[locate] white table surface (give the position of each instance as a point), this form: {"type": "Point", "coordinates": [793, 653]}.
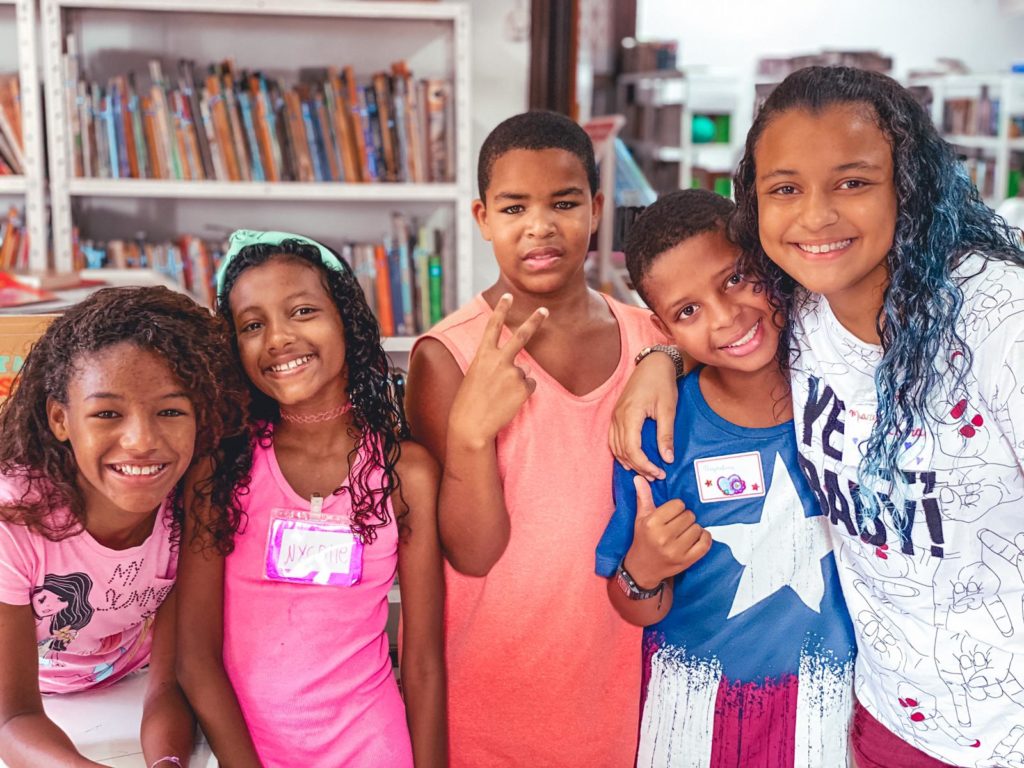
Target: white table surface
{"type": "Point", "coordinates": [104, 724]}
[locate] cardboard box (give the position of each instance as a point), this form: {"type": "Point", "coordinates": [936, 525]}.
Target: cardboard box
{"type": "Point", "coordinates": [17, 334]}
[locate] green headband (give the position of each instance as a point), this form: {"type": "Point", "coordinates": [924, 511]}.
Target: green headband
{"type": "Point", "coordinates": [242, 238]}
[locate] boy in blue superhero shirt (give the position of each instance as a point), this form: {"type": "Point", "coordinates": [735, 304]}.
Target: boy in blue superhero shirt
{"type": "Point", "coordinates": [748, 645]}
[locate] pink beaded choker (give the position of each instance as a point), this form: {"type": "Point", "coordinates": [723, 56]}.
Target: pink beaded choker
{"type": "Point", "coordinates": [316, 418]}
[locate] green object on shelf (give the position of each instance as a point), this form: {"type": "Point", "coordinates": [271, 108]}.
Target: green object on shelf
{"type": "Point", "coordinates": [703, 129]}
{"type": "Point", "coordinates": [1013, 186]}
{"type": "Point", "coordinates": [723, 186]}
{"type": "Point", "coordinates": [721, 129]}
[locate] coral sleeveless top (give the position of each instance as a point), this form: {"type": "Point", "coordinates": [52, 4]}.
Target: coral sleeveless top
{"type": "Point", "coordinates": [542, 671]}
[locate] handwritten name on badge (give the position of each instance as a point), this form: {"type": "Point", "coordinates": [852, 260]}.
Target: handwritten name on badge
{"type": "Point", "coordinates": [859, 421]}
{"type": "Point", "coordinates": [313, 553]}
{"type": "Point", "coordinates": [730, 478]}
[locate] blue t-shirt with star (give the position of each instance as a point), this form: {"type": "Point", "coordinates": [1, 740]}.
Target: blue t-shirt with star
{"type": "Point", "coordinates": [753, 663]}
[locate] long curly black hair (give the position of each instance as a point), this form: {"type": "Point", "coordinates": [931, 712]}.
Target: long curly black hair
{"type": "Point", "coordinates": [377, 415]}
{"type": "Point", "coordinates": [196, 347]}
{"type": "Point", "coordinates": [940, 219]}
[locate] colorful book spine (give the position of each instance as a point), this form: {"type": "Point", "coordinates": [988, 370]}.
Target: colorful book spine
{"type": "Point", "coordinates": [421, 274]}
{"type": "Point", "coordinates": [357, 105]}
{"type": "Point", "coordinates": [250, 135]}
{"type": "Point", "coordinates": [436, 289]}
{"type": "Point", "coordinates": [109, 123]}
{"type": "Point", "coordinates": [385, 314]}
{"type": "Point", "coordinates": [405, 274]}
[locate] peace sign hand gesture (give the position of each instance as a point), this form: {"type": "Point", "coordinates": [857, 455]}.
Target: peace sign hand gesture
{"type": "Point", "coordinates": [494, 388]}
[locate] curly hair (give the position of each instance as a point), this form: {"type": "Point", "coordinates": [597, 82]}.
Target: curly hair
{"type": "Point", "coordinates": [940, 219]}
{"type": "Point", "coordinates": [378, 417]}
{"type": "Point", "coordinates": [195, 346]}
{"type": "Point", "coordinates": [672, 219]}
{"type": "Point", "coordinates": [536, 130]}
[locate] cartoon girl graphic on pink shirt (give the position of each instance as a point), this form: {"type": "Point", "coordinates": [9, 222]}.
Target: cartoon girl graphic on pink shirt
{"type": "Point", "coordinates": [65, 601]}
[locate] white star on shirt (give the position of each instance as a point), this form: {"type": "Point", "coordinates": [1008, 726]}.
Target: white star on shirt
{"type": "Point", "coordinates": [783, 549]}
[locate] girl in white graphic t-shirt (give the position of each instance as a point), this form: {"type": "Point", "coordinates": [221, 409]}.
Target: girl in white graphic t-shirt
{"type": "Point", "coordinates": [905, 300]}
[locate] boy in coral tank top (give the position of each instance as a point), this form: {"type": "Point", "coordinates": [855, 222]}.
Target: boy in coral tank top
{"type": "Point", "coordinates": [513, 394]}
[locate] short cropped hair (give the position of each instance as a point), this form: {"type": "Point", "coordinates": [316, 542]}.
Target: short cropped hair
{"type": "Point", "coordinates": [669, 221]}
{"type": "Point", "coordinates": [536, 130]}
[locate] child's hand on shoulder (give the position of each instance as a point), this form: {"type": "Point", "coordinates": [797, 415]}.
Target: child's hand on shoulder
{"type": "Point", "coordinates": [494, 388]}
{"type": "Point", "coordinates": [666, 540]}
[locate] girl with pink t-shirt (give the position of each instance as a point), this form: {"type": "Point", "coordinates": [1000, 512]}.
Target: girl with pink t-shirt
{"type": "Point", "coordinates": [282, 643]}
{"type": "Point", "coordinates": [114, 403]}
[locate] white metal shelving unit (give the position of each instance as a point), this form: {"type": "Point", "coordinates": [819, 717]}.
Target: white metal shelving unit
{"type": "Point", "coordinates": [1008, 89]}
{"type": "Point", "coordinates": [365, 33]}
{"type": "Point", "coordinates": [32, 185]}
{"type": "Point", "coordinates": [695, 94]}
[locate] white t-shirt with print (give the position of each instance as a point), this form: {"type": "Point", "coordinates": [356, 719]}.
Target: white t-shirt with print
{"type": "Point", "coordinates": [938, 604]}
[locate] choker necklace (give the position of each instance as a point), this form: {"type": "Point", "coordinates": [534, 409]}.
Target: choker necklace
{"type": "Point", "coordinates": [316, 418]}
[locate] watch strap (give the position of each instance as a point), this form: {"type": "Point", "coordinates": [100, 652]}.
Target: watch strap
{"type": "Point", "coordinates": [629, 586]}
{"type": "Point", "coordinates": [668, 349]}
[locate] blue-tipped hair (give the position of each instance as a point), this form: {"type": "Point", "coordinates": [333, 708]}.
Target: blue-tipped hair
{"type": "Point", "coordinates": [940, 219]}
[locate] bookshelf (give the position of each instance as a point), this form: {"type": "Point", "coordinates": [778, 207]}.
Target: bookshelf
{"type": "Point", "coordinates": [18, 52]}
{"type": "Point", "coordinates": [983, 117]}
{"type": "Point", "coordinates": [661, 107]}
{"type": "Point", "coordinates": [280, 38]}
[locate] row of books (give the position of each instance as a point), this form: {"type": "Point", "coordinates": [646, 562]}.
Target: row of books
{"type": "Point", "coordinates": [189, 262]}
{"type": "Point", "coordinates": [982, 171]}
{"type": "Point", "coordinates": [230, 125]}
{"type": "Point", "coordinates": [13, 241]}
{"type": "Point", "coordinates": [405, 275]}
{"type": "Point", "coordinates": [778, 67]}
{"type": "Point", "coordinates": [648, 55]}
{"type": "Point", "coordinates": [12, 143]}
{"type": "Point", "coordinates": [971, 117]}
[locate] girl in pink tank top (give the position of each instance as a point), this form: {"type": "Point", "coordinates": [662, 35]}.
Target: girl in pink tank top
{"type": "Point", "coordinates": [284, 653]}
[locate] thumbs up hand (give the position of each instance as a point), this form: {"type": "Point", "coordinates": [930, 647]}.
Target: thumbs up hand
{"type": "Point", "coordinates": [666, 539]}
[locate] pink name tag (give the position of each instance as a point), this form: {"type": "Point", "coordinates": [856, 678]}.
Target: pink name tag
{"type": "Point", "coordinates": [729, 478]}
{"type": "Point", "coordinates": [313, 551]}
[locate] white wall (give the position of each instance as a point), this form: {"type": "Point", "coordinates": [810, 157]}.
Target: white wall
{"type": "Point", "coordinates": [734, 33]}
{"type": "Point", "coordinates": [500, 89]}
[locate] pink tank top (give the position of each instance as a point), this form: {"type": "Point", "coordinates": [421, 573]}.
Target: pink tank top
{"type": "Point", "coordinates": [542, 671]}
{"type": "Point", "coordinates": [309, 663]}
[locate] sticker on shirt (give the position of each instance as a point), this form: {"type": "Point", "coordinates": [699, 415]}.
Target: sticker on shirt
{"type": "Point", "coordinates": [730, 478]}
{"type": "Point", "coordinates": [307, 549]}
{"type": "Point", "coordinates": [858, 421]}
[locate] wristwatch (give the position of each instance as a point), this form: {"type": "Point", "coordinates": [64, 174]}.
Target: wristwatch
{"type": "Point", "coordinates": [672, 352]}
{"type": "Point", "coordinates": [629, 586]}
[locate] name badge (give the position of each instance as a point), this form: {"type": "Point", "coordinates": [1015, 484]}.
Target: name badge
{"type": "Point", "coordinates": [730, 478]}
{"type": "Point", "coordinates": [915, 453]}
{"type": "Point", "coordinates": [303, 548]}
{"type": "Point", "coordinates": [858, 421]}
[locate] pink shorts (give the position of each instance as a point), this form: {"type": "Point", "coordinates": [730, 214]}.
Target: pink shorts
{"type": "Point", "coordinates": [875, 746]}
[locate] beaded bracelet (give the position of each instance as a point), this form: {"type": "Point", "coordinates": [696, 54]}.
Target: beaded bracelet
{"type": "Point", "coordinates": [172, 759]}
{"type": "Point", "coordinates": [672, 352]}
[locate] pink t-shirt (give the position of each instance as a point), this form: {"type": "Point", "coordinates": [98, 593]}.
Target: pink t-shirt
{"type": "Point", "coordinates": [94, 607]}
{"type": "Point", "coordinates": [309, 662]}
{"type": "Point", "coordinates": [542, 671]}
